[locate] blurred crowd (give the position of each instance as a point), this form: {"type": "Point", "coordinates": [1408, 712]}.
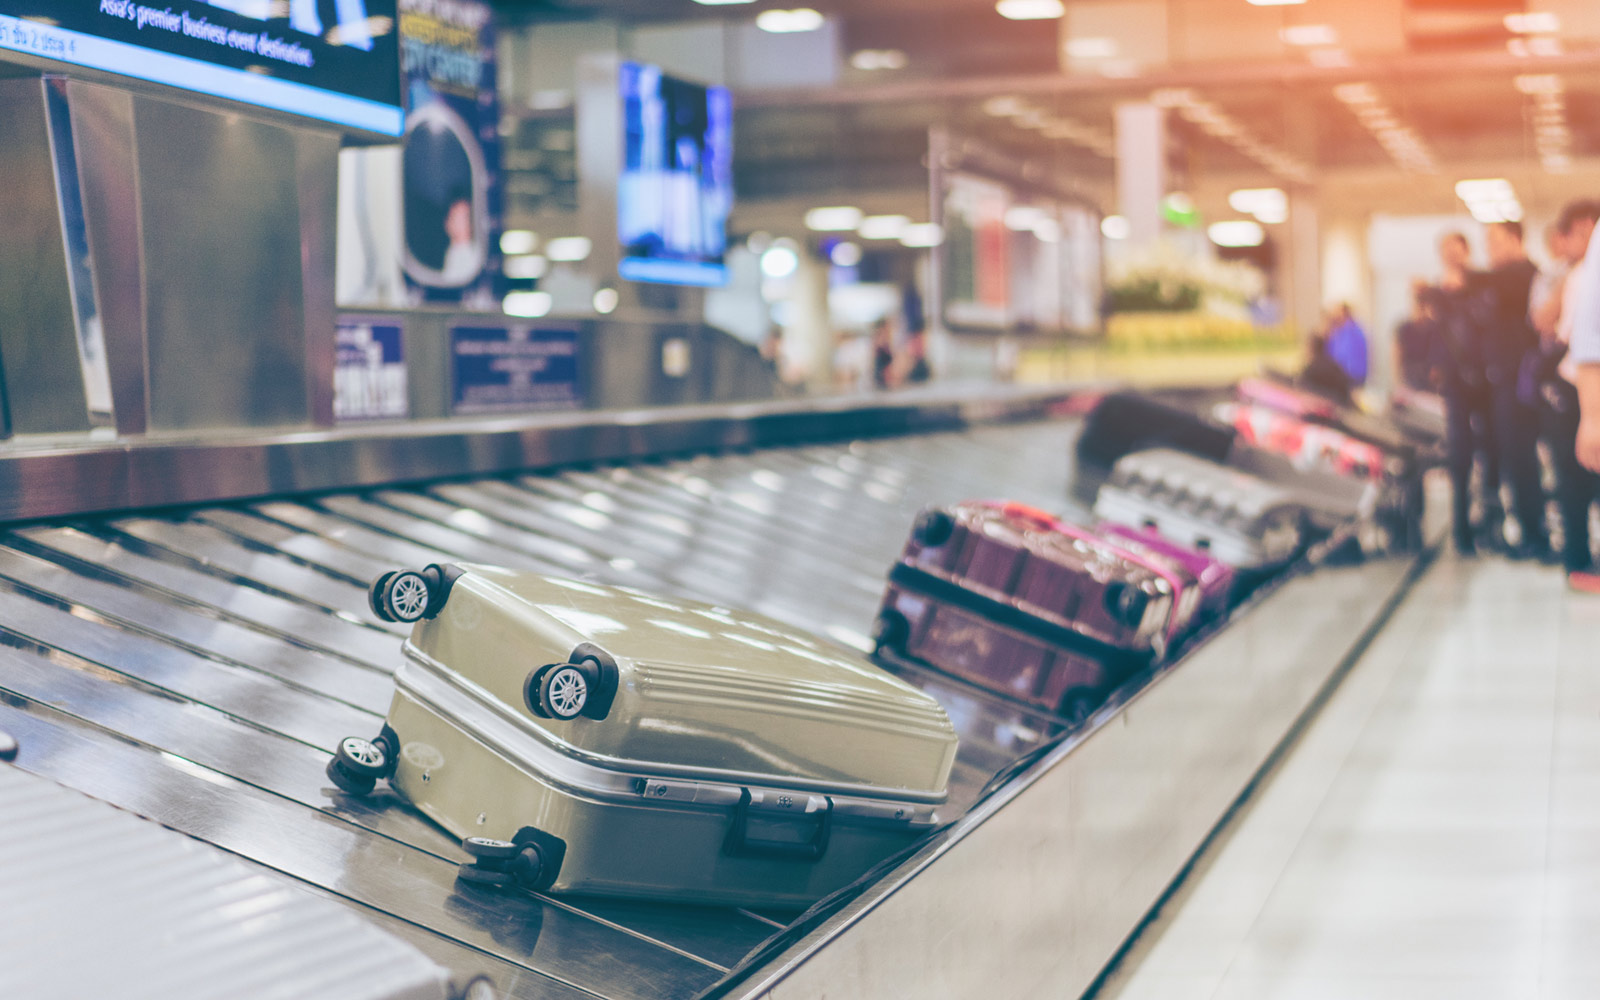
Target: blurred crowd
{"type": "Point", "coordinates": [1514, 352]}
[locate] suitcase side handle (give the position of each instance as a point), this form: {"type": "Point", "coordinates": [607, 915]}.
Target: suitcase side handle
{"type": "Point", "coordinates": [783, 807]}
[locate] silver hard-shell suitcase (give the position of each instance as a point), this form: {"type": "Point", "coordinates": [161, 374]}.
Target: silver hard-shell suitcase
{"type": "Point", "coordinates": [96, 902]}
{"type": "Point", "coordinates": [593, 739]}
{"type": "Point", "coordinates": [1237, 518]}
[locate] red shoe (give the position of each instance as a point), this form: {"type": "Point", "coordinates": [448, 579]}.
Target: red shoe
{"type": "Point", "coordinates": [1584, 581]}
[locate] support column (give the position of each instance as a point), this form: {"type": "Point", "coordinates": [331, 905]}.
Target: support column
{"type": "Point", "coordinates": [1141, 168]}
{"type": "Point", "coordinates": [1304, 262]}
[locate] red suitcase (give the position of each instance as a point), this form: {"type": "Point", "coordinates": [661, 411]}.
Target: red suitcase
{"type": "Point", "coordinates": [997, 596]}
{"type": "Point", "coordinates": [1311, 446]}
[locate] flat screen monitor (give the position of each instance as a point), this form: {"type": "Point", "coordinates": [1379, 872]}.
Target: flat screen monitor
{"type": "Point", "coordinates": [336, 61]}
{"type": "Point", "coordinates": [676, 188]}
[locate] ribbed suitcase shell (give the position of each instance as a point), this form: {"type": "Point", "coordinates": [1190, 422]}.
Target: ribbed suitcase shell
{"type": "Point", "coordinates": [1242, 520]}
{"type": "Point", "coordinates": [1016, 601]}
{"type": "Point", "coordinates": [98, 903]}
{"type": "Point", "coordinates": [722, 722]}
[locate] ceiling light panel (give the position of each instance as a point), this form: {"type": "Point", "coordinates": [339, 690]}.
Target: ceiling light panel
{"type": "Point", "coordinates": [1031, 10]}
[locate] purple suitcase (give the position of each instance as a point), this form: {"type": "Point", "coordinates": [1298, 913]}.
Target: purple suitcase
{"type": "Point", "coordinates": [997, 597]}
{"type": "Point", "coordinates": [1216, 578]}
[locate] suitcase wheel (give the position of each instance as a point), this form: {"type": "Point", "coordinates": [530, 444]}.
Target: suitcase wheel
{"type": "Point", "coordinates": [1126, 603]}
{"type": "Point", "coordinates": [1078, 704]}
{"type": "Point", "coordinates": [485, 849]}
{"type": "Point", "coordinates": [563, 691]}
{"type": "Point", "coordinates": [374, 595]}
{"type": "Point", "coordinates": [933, 528]}
{"type": "Point", "coordinates": [501, 863]}
{"type": "Point", "coordinates": [357, 764]}
{"type": "Point", "coordinates": [401, 597]}
{"type": "Point", "coordinates": [890, 631]}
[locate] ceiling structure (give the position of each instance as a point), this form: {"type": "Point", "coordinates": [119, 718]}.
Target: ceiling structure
{"type": "Point", "coordinates": [1396, 98]}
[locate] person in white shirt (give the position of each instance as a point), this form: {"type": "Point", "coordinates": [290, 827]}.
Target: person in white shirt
{"type": "Point", "coordinates": [1583, 357]}
{"type": "Point", "coordinates": [1577, 488]}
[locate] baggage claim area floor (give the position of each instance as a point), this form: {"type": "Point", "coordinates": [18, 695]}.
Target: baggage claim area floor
{"type": "Point", "coordinates": [195, 665]}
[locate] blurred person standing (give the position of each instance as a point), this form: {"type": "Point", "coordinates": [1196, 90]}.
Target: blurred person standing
{"type": "Point", "coordinates": [1413, 341]}
{"type": "Point", "coordinates": [1323, 375]}
{"type": "Point", "coordinates": [1583, 359]}
{"type": "Point", "coordinates": [1509, 339]}
{"type": "Point", "coordinates": [1347, 344]}
{"type": "Point", "coordinates": [1577, 488]}
{"type": "Point", "coordinates": [1458, 375]}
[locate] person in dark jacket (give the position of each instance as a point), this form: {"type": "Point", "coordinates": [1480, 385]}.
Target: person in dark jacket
{"type": "Point", "coordinates": [1509, 340]}
{"type": "Point", "coordinates": [1413, 341]}
{"type": "Point", "coordinates": [1458, 375]}
{"type": "Point", "coordinates": [1325, 376]}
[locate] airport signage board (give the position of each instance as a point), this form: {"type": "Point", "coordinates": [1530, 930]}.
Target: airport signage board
{"type": "Point", "coordinates": [335, 61]}
{"type": "Point", "coordinates": [497, 369]}
{"type": "Point", "coordinates": [369, 376]}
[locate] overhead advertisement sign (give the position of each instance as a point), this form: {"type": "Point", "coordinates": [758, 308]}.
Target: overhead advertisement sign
{"type": "Point", "coordinates": [331, 60]}
{"type": "Point", "coordinates": [452, 193]}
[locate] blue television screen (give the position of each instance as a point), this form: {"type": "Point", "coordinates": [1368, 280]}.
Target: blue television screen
{"type": "Point", "coordinates": [336, 61]}
{"type": "Point", "coordinates": [676, 188]}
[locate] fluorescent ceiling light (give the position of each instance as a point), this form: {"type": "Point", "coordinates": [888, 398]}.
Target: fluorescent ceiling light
{"type": "Point", "coordinates": [834, 219]}
{"type": "Point", "coordinates": [527, 268]}
{"type": "Point", "coordinates": [1092, 48]}
{"type": "Point", "coordinates": [1237, 233]}
{"type": "Point", "coordinates": [883, 227]}
{"type": "Point", "coordinates": [1310, 34]}
{"type": "Point", "coordinates": [780, 261]}
{"type": "Point", "coordinates": [1356, 93]}
{"type": "Point", "coordinates": [1031, 10]}
{"type": "Point", "coordinates": [569, 249]}
{"type": "Point", "coordinates": [1490, 189]}
{"type": "Point", "coordinates": [1004, 107]}
{"type": "Point", "coordinates": [1116, 227]}
{"type": "Point", "coordinates": [529, 305]}
{"type": "Point", "coordinates": [518, 241]}
{"type": "Point", "coordinates": [1537, 22]}
{"type": "Point", "coordinates": [1023, 218]}
{"type": "Point", "coordinates": [606, 299]}
{"type": "Point", "coordinates": [1255, 201]}
{"type": "Point", "coordinates": [922, 235]}
{"type": "Point", "coordinates": [787, 22]}
{"type": "Point", "coordinates": [879, 59]}
{"type": "Point", "coordinates": [1175, 97]}
{"type": "Point", "coordinates": [846, 254]}
{"type": "Point", "coordinates": [1539, 83]}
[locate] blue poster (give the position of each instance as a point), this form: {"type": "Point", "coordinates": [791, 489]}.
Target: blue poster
{"type": "Point", "coordinates": [369, 375]}
{"type": "Point", "coordinates": [451, 156]}
{"type": "Point", "coordinates": [497, 369]}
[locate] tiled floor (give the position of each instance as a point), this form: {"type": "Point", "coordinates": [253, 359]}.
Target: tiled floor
{"type": "Point", "coordinates": [1434, 834]}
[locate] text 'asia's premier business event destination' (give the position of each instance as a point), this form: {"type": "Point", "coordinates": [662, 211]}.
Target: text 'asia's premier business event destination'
{"type": "Point", "coordinates": [335, 61]}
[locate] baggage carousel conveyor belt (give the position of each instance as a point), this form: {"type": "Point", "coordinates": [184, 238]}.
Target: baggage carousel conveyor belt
{"type": "Point", "coordinates": [196, 666]}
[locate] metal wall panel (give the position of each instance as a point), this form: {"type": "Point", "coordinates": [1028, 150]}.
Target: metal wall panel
{"type": "Point", "coordinates": [225, 291]}
{"type": "Point", "coordinates": [38, 334]}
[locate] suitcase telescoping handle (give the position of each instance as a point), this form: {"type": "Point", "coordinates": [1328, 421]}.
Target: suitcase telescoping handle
{"type": "Point", "coordinates": [770, 811]}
